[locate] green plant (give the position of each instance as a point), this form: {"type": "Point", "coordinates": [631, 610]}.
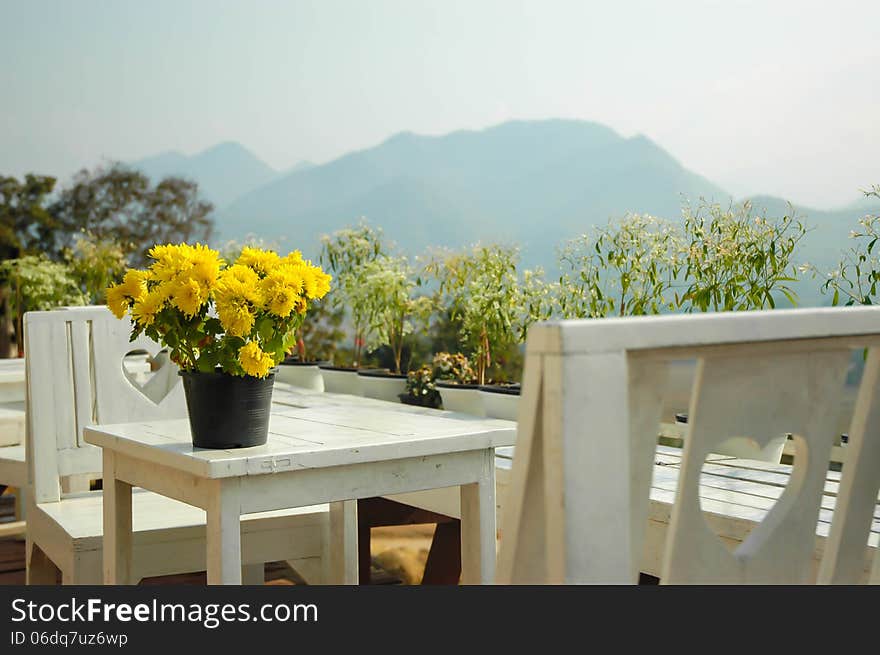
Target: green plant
{"type": "Point", "coordinates": [421, 387]}
{"type": "Point", "coordinates": [539, 301]}
{"type": "Point", "coordinates": [36, 283]}
{"type": "Point", "coordinates": [454, 367]}
{"type": "Point", "coordinates": [95, 263]}
{"type": "Point", "coordinates": [482, 290]}
{"type": "Point", "coordinates": [625, 268]}
{"type": "Point", "coordinates": [855, 280]}
{"type": "Point", "coordinates": [345, 253]}
{"type": "Point", "coordinates": [735, 260]}
{"type": "Point", "coordinates": [386, 288]}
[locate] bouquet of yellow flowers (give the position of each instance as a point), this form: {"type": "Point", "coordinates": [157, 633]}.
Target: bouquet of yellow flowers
{"type": "Point", "coordinates": [240, 318]}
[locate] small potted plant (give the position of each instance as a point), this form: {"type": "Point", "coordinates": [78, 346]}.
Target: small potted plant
{"type": "Point", "coordinates": [387, 288]}
{"type": "Point", "coordinates": [345, 253]}
{"type": "Point", "coordinates": [421, 389]}
{"type": "Point", "coordinates": [456, 382]}
{"type": "Point", "coordinates": [226, 327]}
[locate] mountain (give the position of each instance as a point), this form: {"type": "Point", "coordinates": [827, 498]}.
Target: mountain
{"type": "Point", "coordinates": [223, 172]}
{"type": "Point", "coordinates": [530, 182]}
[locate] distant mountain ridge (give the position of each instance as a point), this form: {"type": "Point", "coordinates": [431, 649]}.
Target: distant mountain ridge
{"type": "Point", "coordinates": [533, 183]}
{"type": "Point", "coordinates": [224, 172]}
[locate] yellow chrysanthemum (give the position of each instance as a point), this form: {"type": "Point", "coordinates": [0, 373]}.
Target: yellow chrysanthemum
{"type": "Point", "coordinates": [144, 311]}
{"type": "Point", "coordinates": [261, 261]}
{"type": "Point", "coordinates": [187, 297]}
{"type": "Point", "coordinates": [254, 360]}
{"type": "Point", "coordinates": [294, 257]}
{"type": "Point", "coordinates": [117, 300]}
{"type": "Point", "coordinates": [134, 284]}
{"type": "Point", "coordinates": [239, 284]}
{"type": "Point", "coordinates": [237, 320]}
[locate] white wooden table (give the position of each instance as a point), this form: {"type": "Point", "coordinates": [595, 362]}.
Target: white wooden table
{"type": "Point", "coordinates": [319, 450]}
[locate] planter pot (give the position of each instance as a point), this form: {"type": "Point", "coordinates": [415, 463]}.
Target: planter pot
{"type": "Point", "coordinates": [338, 379]}
{"type": "Point", "coordinates": [743, 448]}
{"type": "Point", "coordinates": [226, 411]}
{"type": "Point", "coordinates": [464, 398]}
{"type": "Point", "coordinates": [305, 375]}
{"type": "Point", "coordinates": [382, 385]}
{"type": "Point", "coordinates": [501, 401]}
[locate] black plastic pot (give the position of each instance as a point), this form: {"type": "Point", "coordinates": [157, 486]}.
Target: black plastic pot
{"type": "Point", "coordinates": [506, 389]}
{"type": "Point", "coordinates": [226, 411]}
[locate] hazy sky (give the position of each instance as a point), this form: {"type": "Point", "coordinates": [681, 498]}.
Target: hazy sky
{"type": "Point", "coordinates": [760, 97]}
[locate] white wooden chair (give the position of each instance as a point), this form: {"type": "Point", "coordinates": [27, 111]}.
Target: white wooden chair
{"type": "Point", "coordinates": [592, 396]}
{"type": "Point", "coordinates": [75, 378]}
{"type": "Point", "coordinates": [13, 470]}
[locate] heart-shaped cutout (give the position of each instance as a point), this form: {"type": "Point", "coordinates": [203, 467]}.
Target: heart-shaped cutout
{"type": "Point", "coordinates": [743, 485]}
{"type": "Point", "coordinates": [153, 376]}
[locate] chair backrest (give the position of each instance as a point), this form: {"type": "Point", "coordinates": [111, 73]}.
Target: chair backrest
{"type": "Point", "coordinates": [591, 402]}
{"type": "Point", "coordinates": [75, 378]}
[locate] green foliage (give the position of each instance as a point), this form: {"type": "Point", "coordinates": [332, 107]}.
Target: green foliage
{"type": "Point", "coordinates": [626, 268]}
{"type": "Point", "coordinates": [119, 204]}
{"type": "Point", "coordinates": [35, 283]}
{"type": "Point", "coordinates": [26, 226]}
{"type": "Point", "coordinates": [344, 254]}
{"type": "Point", "coordinates": [95, 263]}
{"type": "Point", "coordinates": [421, 384]}
{"type": "Point", "coordinates": [481, 288]}
{"type": "Point", "coordinates": [320, 333]}
{"type": "Point", "coordinates": [854, 282]}
{"type": "Point", "coordinates": [734, 260]}
{"type": "Point", "coordinates": [386, 288]}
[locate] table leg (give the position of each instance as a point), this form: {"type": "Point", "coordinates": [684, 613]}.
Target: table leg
{"type": "Point", "coordinates": [117, 525]}
{"type": "Point", "coordinates": [478, 525]}
{"type": "Point", "coordinates": [342, 544]}
{"type": "Point", "coordinates": [224, 534]}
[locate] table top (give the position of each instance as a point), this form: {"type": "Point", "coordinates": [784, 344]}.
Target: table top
{"type": "Point", "coordinates": [310, 430]}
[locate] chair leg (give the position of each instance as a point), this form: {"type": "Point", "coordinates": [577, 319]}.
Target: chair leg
{"type": "Point", "coordinates": [20, 504]}
{"type": "Point", "coordinates": [253, 574]}
{"type": "Point", "coordinates": [39, 569]}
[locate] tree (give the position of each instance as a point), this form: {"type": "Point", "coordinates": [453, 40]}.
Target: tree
{"type": "Point", "coordinates": [26, 225]}
{"type": "Point", "coordinates": [119, 204]}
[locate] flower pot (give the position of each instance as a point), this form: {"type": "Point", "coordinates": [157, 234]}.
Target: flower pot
{"type": "Point", "coordinates": [501, 401]}
{"type": "Point", "coordinates": [464, 398]}
{"type": "Point", "coordinates": [338, 379]}
{"type": "Point", "coordinates": [305, 375]}
{"type": "Point", "coordinates": [382, 385]}
{"type": "Point", "coordinates": [227, 411]}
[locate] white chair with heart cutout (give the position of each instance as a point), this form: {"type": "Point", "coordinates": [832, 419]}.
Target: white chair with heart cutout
{"type": "Point", "coordinates": [76, 377]}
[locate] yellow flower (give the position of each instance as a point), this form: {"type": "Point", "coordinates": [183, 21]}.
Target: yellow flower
{"type": "Point", "coordinates": [239, 284]}
{"type": "Point", "coordinates": [187, 297]}
{"type": "Point", "coordinates": [294, 257]}
{"type": "Point", "coordinates": [254, 361]}
{"type": "Point", "coordinates": [236, 319]}
{"type": "Point", "coordinates": [116, 300]}
{"type": "Point", "coordinates": [134, 284]}
{"type": "Point", "coordinates": [144, 311]}
{"type": "Point", "coordinates": [261, 261]}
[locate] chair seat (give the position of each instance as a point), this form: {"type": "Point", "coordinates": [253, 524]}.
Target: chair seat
{"type": "Point", "coordinates": [11, 423]}
{"type": "Point", "coordinates": [13, 469]}
{"type": "Point", "coordinates": [157, 518]}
